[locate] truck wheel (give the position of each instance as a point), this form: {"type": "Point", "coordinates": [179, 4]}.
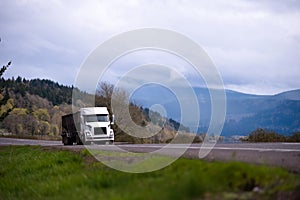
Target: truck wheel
{"type": "Point", "coordinates": [64, 140]}
{"type": "Point", "coordinates": [84, 141]}
{"type": "Point", "coordinates": [78, 140]}
{"type": "Point", "coordinates": [67, 141]}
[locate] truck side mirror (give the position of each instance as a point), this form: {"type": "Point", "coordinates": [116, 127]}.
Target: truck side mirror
{"type": "Point", "coordinates": [112, 119]}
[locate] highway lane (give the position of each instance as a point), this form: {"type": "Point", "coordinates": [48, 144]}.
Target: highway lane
{"type": "Point", "coordinates": [285, 155]}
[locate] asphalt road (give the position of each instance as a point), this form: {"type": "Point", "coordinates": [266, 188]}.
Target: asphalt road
{"type": "Point", "coordinates": [285, 155]}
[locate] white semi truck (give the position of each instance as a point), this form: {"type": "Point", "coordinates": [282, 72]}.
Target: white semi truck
{"type": "Point", "coordinates": [88, 125]}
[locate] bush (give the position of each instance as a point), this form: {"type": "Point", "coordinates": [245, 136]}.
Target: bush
{"type": "Point", "coordinates": [295, 137]}
{"type": "Point", "coordinates": [263, 135]}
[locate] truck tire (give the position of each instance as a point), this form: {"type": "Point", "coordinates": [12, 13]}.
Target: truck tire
{"type": "Point", "coordinates": [78, 140]}
{"type": "Point", "coordinates": [67, 141]}
{"type": "Point", "coordinates": [84, 141]}
{"type": "Point", "coordinates": [64, 140]}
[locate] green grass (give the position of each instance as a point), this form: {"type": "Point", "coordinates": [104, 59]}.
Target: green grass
{"type": "Point", "coordinates": [35, 173]}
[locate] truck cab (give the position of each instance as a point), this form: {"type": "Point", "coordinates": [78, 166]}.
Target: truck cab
{"type": "Point", "coordinates": [96, 125]}
{"type": "Point", "coordinates": [88, 125]}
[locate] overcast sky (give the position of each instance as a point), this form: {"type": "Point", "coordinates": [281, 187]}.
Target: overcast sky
{"type": "Point", "coordinates": [255, 45]}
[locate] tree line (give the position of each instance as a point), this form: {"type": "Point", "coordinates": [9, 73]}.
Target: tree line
{"type": "Point", "coordinates": [57, 94]}
{"type": "Point", "coordinates": [264, 135]}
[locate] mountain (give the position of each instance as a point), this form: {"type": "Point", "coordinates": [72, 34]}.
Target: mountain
{"type": "Point", "coordinates": [291, 95]}
{"type": "Point", "coordinates": [244, 112]}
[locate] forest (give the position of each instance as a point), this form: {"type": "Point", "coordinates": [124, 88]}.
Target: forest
{"type": "Point", "coordinates": [33, 107]}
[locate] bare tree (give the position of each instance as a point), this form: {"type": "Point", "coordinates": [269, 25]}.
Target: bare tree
{"type": "Point", "coordinates": [106, 90]}
{"type": "Point", "coordinates": [4, 68]}
{"type": "Point", "coordinates": [104, 94]}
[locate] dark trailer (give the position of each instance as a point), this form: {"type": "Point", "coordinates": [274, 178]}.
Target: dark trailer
{"type": "Point", "coordinates": [71, 128]}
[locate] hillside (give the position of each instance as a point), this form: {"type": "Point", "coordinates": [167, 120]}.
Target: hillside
{"type": "Point", "coordinates": [53, 92]}
{"type": "Point", "coordinates": [291, 95]}
{"type": "Point", "coordinates": [34, 107]}
{"type": "Point", "coordinates": [245, 112]}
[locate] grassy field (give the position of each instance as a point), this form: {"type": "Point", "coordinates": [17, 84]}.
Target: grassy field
{"type": "Point", "coordinates": [38, 173]}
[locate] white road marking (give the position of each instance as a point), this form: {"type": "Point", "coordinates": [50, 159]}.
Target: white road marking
{"type": "Point", "coordinates": [170, 146]}
{"type": "Point", "coordinates": [218, 148]}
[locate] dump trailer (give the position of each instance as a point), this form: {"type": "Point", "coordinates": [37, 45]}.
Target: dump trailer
{"type": "Point", "coordinates": [88, 125]}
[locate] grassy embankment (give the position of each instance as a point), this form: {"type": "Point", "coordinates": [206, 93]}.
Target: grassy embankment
{"type": "Point", "coordinates": [35, 173]}
{"type": "Point", "coordinates": [32, 137]}
{"type": "Point", "coordinates": [37, 137]}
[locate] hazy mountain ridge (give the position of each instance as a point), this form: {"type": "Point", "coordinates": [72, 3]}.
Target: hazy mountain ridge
{"type": "Point", "coordinates": [291, 95]}
{"type": "Point", "coordinates": [245, 112]}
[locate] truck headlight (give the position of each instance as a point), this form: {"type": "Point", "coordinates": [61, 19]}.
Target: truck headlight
{"type": "Point", "coordinates": [111, 133]}
{"type": "Point", "coordinates": [88, 133]}
{"type": "Point", "coordinates": [89, 127]}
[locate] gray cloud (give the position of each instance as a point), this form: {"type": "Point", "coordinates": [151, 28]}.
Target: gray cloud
{"type": "Point", "coordinates": [254, 44]}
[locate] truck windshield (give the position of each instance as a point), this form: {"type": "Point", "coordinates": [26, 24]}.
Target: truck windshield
{"type": "Point", "coordinates": [96, 118]}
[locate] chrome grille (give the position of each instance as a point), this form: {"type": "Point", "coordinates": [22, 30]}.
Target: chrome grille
{"type": "Point", "coordinates": [100, 131]}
